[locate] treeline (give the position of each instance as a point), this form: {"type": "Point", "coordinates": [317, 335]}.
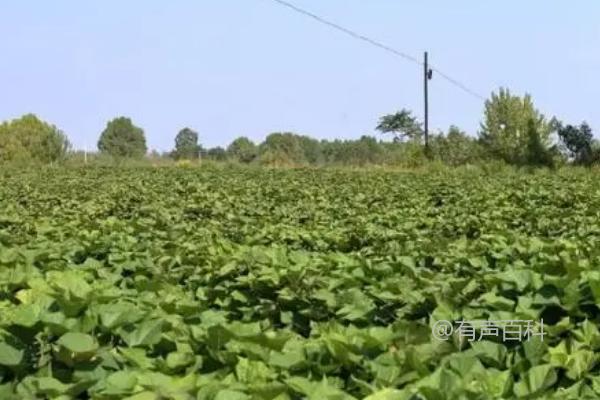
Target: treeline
{"type": "Point", "coordinates": [513, 131]}
{"type": "Point", "coordinates": [454, 148]}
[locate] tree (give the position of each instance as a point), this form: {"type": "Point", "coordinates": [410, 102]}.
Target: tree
{"type": "Point", "coordinates": [282, 148]}
{"type": "Point", "coordinates": [31, 139]}
{"type": "Point", "coordinates": [455, 148]}
{"type": "Point", "coordinates": [578, 141]}
{"type": "Point", "coordinates": [537, 154]}
{"type": "Point", "coordinates": [366, 150]}
{"type": "Point", "coordinates": [406, 154]}
{"type": "Point", "coordinates": [242, 150]}
{"type": "Point", "coordinates": [121, 138]}
{"type": "Point", "coordinates": [504, 132]}
{"type": "Point", "coordinates": [311, 149]}
{"type": "Point", "coordinates": [186, 145]}
{"type": "Point", "coordinates": [217, 154]}
{"type": "Point", "coordinates": [401, 124]}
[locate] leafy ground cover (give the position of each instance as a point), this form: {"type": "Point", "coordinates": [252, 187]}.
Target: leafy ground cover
{"type": "Point", "coordinates": [217, 284]}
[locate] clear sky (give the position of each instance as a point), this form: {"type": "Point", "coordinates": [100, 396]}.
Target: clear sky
{"type": "Point", "coordinates": [228, 68]}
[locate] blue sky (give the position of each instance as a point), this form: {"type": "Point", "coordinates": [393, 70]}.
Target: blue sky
{"type": "Point", "coordinates": [228, 68]}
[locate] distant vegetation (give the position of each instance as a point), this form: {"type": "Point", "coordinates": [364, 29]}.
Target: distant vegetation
{"type": "Point", "coordinates": [122, 138]}
{"type": "Point", "coordinates": [28, 139]}
{"type": "Point", "coordinates": [513, 131]}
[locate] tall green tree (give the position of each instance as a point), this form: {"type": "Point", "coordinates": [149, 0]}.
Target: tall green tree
{"type": "Point", "coordinates": [30, 139]}
{"type": "Point", "coordinates": [402, 125]}
{"type": "Point", "coordinates": [504, 131]}
{"type": "Point", "coordinates": [121, 138]}
{"type": "Point", "coordinates": [186, 145]}
{"type": "Point", "coordinates": [242, 150]}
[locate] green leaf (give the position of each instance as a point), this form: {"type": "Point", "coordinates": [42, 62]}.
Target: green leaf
{"type": "Point", "coordinates": [498, 383]}
{"type": "Point", "coordinates": [137, 357]}
{"type": "Point", "coordinates": [490, 353]}
{"type": "Point", "coordinates": [9, 356]}
{"type": "Point", "coordinates": [535, 350]}
{"type": "Point", "coordinates": [78, 343]}
{"type": "Point", "coordinates": [388, 394]}
{"type": "Point", "coordinates": [579, 363]}
{"type": "Point", "coordinates": [177, 360]}
{"type": "Point", "coordinates": [536, 381]}
{"type": "Point", "coordinates": [115, 315]}
{"type": "Point", "coordinates": [252, 372]}
{"type": "Point", "coordinates": [227, 394]}
{"type": "Point", "coordinates": [120, 383]}
{"type": "Point", "coordinates": [144, 396]}
{"type": "Point", "coordinates": [288, 360]}
{"type": "Point", "coordinates": [76, 347]}
{"type": "Point", "coordinates": [26, 315]}
{"type": "Point", "coordinates": [317, 390]}
{"type": "Point", "coordinates": [495, 302]}
{"type": "Point", "coordinates": [147, 333]}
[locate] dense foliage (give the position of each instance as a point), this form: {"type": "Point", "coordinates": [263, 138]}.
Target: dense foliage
{"type": "Point", "coordinates": [242, 150]}
{"type": "Point", "coordinates": [186, 145]}
{"type": "Point", "coordinates": [122, 139]}
{"type": "Point", "coordinates": [508, 122]}
{"type": "Point", "coordinates": [28, 139]}
{"type": "Point", "coordinates": [579, 142]}
{"type": "Point", "coordinates": [453, 148]}
{"type": "Point", "coordinates": [187, 283]}
{"type": "Point", "coordinates": [402, 124]}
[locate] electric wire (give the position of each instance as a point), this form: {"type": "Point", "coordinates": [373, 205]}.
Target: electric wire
{"type": "Point", "coordinates": [378, 44]}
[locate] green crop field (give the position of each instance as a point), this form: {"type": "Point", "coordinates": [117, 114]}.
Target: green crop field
{"type": "Point", "coordinates": [239, 283]}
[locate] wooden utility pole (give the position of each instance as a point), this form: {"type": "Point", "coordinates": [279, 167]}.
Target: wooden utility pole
{"type": "Point", "coordinates": [427, 75]}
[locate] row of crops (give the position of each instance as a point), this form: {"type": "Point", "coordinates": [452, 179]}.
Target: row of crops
{"type": "Point", "coordinates": [231, 283]}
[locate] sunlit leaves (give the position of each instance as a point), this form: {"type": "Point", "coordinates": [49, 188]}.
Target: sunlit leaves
{"type": "Point", "coordinates": [281, 284]}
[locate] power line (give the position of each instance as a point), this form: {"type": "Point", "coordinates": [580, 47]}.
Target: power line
{"type": "Point", "coordinates": [348, 31]}
{"type": "Point", "coordinates": [458, 84]}
{"type": "Point", "coordinates": [378, 44]}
